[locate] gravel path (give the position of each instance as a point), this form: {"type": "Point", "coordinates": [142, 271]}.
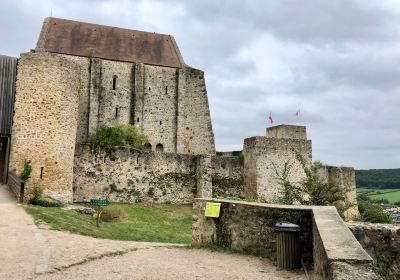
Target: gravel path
{"type": "Point", "coordinates": [27, 252]}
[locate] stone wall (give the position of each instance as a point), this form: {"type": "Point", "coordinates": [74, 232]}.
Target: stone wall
{"type": "Point", "coordinates": [264, 156]}
{"type": "Point", "coordinates": [227, 176]}
{"type": "Point", "coordinates": [250, 228]}
{"type": "Point", "coordinates": [158, 119]}
{"type": "Point", "coordinates": [169, 105]}
{"type": "Point", "coordinates": [45, 121]}
{"type": "Point", "coordinates": [194, 129]}
{"type": "Point", "coordinates": [382, 243]}
{"type": "Point", "coordinates": [127, 175]}
{"type": "Point", "coordinates": [345, 178]}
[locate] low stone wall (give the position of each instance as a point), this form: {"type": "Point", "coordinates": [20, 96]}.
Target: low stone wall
{"type": "Point", "coordinates": [128, 175]}
{"type": "Point", "coordinates": [250, 227]}
{"type": "Point", "coordinates": [382, 242]}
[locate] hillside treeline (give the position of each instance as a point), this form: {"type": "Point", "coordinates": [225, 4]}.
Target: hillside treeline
{"type": "Point", "coordinates": [378, 178]}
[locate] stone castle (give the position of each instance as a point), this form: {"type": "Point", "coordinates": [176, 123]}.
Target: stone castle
{"type": "Point", "coordinates": [81, 76]}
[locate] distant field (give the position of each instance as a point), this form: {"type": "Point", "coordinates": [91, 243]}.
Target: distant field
{"type": "Point", "coordinates": [393, 195]}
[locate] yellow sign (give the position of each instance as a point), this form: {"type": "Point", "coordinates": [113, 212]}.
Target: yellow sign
{"type": "Point", "coordinates": [212, 209]}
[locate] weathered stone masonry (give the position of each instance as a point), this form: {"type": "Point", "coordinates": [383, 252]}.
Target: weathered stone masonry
{"type": "Point", "coordinates": [45, 121]}
{"type": "Point", "coordinates": [106, 76]}
{"type": "Point", "coordinates": [127, 175]}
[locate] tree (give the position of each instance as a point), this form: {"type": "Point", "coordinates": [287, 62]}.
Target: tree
{"type": "Point", "coordinates": [120, 135]}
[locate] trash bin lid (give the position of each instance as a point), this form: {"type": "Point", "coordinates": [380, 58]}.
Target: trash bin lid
{"type": "Point", "coordinates": [285, 226]}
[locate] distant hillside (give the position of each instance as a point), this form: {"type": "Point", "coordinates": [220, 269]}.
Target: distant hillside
{"type": "Point", "coordinates": [378, 178]}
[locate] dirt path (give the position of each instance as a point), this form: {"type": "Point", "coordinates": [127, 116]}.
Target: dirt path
{"type": "Point", "coordinates": [23, 249]}
{"type": "Point", "coordinates": [27, 252]}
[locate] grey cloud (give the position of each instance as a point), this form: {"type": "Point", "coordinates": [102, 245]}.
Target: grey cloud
{"type": "Point", "coordinates": [336, 61]}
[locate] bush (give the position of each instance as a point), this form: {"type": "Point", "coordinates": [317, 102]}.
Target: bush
{"type": "Point", "coordinates": [382, 200]}
{"type": "Point", "coordinates": [46, 202]}
{"type": "Point", "coordinates": [121, 135]}
{"type": "Point", "coordinates": [397, 203]}
{"type": "Point", "coordinates": [37, 199]}
{"type": "Point", "coordinates": [313, 190]}
{"type": "Point", "coordinates": [36, 194]}
{"type": "Point", "coordinates": [110, 214]}
{"type": "Point", "coordinates": [26, 172]}
{"type": "Point", "coordinates": [373, 214]}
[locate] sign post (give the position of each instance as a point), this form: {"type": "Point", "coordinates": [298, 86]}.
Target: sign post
{"type": "Point", "coordinates": [99, 203]}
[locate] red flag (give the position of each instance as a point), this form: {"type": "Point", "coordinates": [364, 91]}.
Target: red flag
{"type": "Point", "coordinates": [270, 118]}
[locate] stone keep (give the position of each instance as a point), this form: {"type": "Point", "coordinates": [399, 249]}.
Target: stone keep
{"type": "Point", "coordinates": [264, 155]}
{"type": "Point", "coordinates": [82, 76]}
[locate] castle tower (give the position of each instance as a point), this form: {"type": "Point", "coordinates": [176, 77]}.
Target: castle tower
{"type": "Point", "coordinates": [266, 155]}
{"type": "Point", "coordinates": [45, 122]}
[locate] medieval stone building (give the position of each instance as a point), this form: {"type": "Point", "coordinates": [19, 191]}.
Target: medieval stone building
{"type": "Point", "coordinates": [82, 76]}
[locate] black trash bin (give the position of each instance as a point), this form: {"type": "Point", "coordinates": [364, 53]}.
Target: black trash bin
{"type": "Point", "coordinates": [288, 246]}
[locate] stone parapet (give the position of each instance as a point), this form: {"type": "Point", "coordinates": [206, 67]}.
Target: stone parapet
{"type": "Point", "coordinates": [287, 132]}
{"type": "Point", "coordinates": [250, 227]}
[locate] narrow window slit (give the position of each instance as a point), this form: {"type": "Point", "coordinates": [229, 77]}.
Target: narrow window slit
{"type": "Point", "coordinates": [41, 172]}
{"type": "Point", "coordinates": [116, 112]}
{"type": "Point", "coordinates": [114, 85]}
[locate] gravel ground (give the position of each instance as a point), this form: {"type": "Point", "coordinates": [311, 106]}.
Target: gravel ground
{"type": "Point", "coordinates": [27, 252]}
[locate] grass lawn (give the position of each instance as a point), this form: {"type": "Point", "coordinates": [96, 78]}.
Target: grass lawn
{"type": "Point", "coordinates": [393, 195]}
{"type": "Point", "coordinates": [162, 223]}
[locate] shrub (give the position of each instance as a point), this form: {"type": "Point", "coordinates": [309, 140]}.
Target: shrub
{"type": "Point", "coordinates": [26, 172]}
{"type": "Point", "coordinates": [382, 200]}
{"type": "Point", "coordinates": [36, 193]}
{"type": "Point", "coordinates": [46, 202]}
{"type": "Point", "coordinates": [121, 135]}
{"type": "Point", "coordinates": [110, 214]}
{"type": "Point", "coordinates": [373, 214]}
{"type": "Point", "coordinates": [37, 199]}
{"type": "Point", "coordinates": [313, 190]}
{"type": "Point", "coordinates": [397, 203]}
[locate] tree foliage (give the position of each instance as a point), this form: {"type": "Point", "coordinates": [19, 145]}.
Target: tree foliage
{"type": "Point", "coordinates": [378, 178]}
{"type": "Point", "coordinates": [120, 135]}
{"type": "Point", "coordinates": [26, 172]}
{"type": "Point", "coordinates": [373, 213]}
{"type": "Point", "coordinates": [313, 190]}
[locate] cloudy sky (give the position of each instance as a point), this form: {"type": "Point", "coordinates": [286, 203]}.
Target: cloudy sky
{"type": "Point", "coordinates": [338, 62]}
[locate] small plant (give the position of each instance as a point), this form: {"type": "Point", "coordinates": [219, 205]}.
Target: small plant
{"type": "Point", "coordinates": [37, 199]}
{"type": "Point", "coordinates": [36, 193]}
{"type": "Point", "coordinates": [26, 171]}
{"type": "Point", "coordinates": [150, 192]}
{"type": "Point", "coordinates": [290, 193]}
